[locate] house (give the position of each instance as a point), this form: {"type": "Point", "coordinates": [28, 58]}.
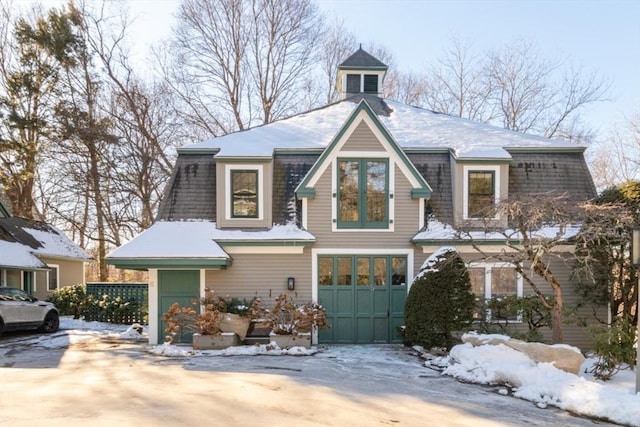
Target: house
{"type": "Point", "coordinates": [37, 257]}
{"type": "Point", "coordinates": [342, 205]}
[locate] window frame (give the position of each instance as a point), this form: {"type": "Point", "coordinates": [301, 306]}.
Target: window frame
{"type": "Point", "coordinates": [57, 276]}
{"type": "Point", "coordinates": [229, 171]}
{"type": "Point", "coordinates": [467, 170]}
{"type": "Point", "coordinates": [487, 286]}
{"type": "Point", "coordinates": [362, 223]}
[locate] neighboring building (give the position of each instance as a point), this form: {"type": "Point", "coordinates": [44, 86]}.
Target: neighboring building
{"type": "Point", "coordinates": [37, 257]}
{"type": "Point", "coordinates": [343, 203]}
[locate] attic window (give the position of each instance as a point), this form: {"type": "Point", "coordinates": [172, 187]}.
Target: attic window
{"type": "Point", "coordinates": [481, 192]}
{"type": "Point", "coordinates": [244, 193]}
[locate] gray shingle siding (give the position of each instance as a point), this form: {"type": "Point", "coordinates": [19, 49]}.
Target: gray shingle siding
{"type": "Point", "coordinates": [435, 168]}
{"type": "Point", "coordinates": [288, 171]}
{"type": "Point", "coordinates": [534, 173]}
{"type": "Point", "coordinates": [191, 191]}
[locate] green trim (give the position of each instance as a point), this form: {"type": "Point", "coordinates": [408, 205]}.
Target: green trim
{"type": "Point", "coordinates": [483, 161]}
{"type": "Point", "coordinates": [306, 193]}
{"type": "Point", "coordinates": [196, 151]}
{"type": "Point", "coordinates": [546, 150]}
{"type": "Point", "coordinates": [300, 151]}
{"type": "Point", "coordinates": [363, 106]}
{"type": "Point", "coordinates": [247, 159]}
{"type": "Point", "coordinates": [265, 243]}
{"type": "Point", "coordinates": [420, 193]}
{"type": "Point", "coordinates": [464, 242]}
{"type": "Point", "coordinates": [363, 68]}
{"type": "Point", "coordinates": [146, 263]}
{"type": "Point", "coordinates": [363, 185]}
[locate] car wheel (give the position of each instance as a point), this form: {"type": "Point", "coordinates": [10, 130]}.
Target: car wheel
{"type": "Point", "coordinates": [51, 322]}
{"type": "Point", "coordinates": [1, 326]}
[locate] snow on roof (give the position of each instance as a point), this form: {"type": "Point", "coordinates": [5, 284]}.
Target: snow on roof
{"type": "Point", "coordinates": [17, 255]}
{"type": "Point", "coordinates": [56, 244]}
{"type": "Point", "coordinates": [30, 243]}
{"type": "Point", "coordinates": [196, 239]}
{"type": "Point", "coordinates": [436, 230]}
{"type": "Point", "coordinates": [411, 127]}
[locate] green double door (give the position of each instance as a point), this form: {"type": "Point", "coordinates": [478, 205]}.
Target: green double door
{"type": "Point", "coordinates": [364, 297]}
{"type": "Point", "coordinates": [177, 286]}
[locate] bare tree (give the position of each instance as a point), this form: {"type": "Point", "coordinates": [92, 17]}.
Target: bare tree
{"type": "Point", "coordinates": [528, 99]}
{"type": "Point", "coordinates": [338, 44]}
{"type": "Point", "coordinates": [457, 85]}
{"type": "Point", "coordinates": [540, 224]}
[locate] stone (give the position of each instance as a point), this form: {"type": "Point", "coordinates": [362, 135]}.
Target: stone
{"type": "Point", "coordinates": [564, 357]}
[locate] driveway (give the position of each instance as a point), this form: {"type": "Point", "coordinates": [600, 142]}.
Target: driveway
{"type": "Point", "coordinates": [110, 382]}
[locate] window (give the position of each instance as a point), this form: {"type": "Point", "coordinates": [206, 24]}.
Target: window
{"type": "Point", "coordinates": [363, 193]}
{"type": "Point", "coordinates": [53, 277]}
{"type": "Point", "coordinates": [498, 280]}
{"type": "Point", "coordinates": [370, 270]}
{"type": "Point", "coordinates": [244, 193]}
{"type": "Point", "coordinates": [481, 191]}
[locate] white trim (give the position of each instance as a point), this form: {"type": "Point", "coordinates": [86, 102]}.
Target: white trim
{"type": "Point", "coordinates": [360, 155]}
{"type": "Point", "coordinates": [465, 186]}
{"type": "Point", "coordinates": [355, 252]}
{"type": "Point", "coordinates": [57, 267]}
{"type": "Point", "coordinates": [488, 266]}
{"type": "Point", "coordinates": [153, 306]}
{"type": "Point", "coordinates": [305, 209]}
{"type": "Point", "coordinates": [227, 177]}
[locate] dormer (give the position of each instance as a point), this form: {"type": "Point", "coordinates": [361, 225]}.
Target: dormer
{"type": "Point", "coordinates": [360, 73]}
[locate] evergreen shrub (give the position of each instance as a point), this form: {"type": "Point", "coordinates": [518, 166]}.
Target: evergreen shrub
{"type": "Point", "coordinates": [440, 302]}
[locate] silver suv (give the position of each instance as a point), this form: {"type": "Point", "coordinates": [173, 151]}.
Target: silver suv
{"type": "Point", "coordinates": [19, 310]}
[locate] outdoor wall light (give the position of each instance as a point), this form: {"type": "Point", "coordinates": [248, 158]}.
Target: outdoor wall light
{"type": "Point", "coordinates": [291, 283]}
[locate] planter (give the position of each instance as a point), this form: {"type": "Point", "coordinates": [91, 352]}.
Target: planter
{"type": "Point", "coordinates": [215, 342]}
{"type": "Point", "coordinates": [288, 341]}
{"type": "Point", "coordinates": [234, 323]}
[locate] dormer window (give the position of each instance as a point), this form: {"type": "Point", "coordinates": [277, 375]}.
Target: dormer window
{"type": "Point", "coordinates": [481, 190]}
{"type": "Point", "coordinates": [244, 193]}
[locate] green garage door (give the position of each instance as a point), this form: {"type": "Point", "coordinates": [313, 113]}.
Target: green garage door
{"type": "Point", "coordinates": [364, 297]}
{"type": "Point", "coordinates": [181, 286]}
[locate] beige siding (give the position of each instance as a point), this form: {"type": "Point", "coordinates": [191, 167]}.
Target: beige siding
{"type": "Point", "coordinates": [70, 273]}
{"type": "Point", "coordinates": [263, 275]}
{"type": "Point", "coordinates": [223, 198]}
{"type": "Point", "coordinates": [362, 139]}
{"type": "Point", "coordinates": [573, 334]}
{"type": "Point", "coordinates": [405, 220]}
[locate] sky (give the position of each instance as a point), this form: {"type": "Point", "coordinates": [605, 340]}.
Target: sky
{"type": "Point", "coordinates": [499, 365]}
{"type": "Point", "coordinates": [594, 36]}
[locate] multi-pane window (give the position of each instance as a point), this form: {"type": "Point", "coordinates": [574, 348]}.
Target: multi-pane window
{"type": "Point", "coordinates": [481, 194]}
{"type": "Point", "coordinates": [362, 193]}
{"type": "Point", "coordinates": [244, 193]}
{"type": "Point", "coordinates": [369, 270]}
{"type": "Point", "coordinates": [494, 281]}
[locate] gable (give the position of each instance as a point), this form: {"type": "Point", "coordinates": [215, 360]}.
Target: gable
{"type": "Point", "coordinates": [362, 135]}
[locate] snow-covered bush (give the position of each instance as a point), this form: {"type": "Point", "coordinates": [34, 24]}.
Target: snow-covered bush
{"type": "Point", "coordinates": [440, 301]}
{"type": "Point", "coordinates": [70, 300]}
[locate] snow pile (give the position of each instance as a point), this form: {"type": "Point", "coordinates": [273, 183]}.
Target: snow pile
{"type": "Point", "coordinates": [271, 349]}
{"type": "Point", "coordinates": [543, 383]}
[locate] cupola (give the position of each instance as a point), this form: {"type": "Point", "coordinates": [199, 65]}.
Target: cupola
{"type": "Point", "coordinates": [360, 73]}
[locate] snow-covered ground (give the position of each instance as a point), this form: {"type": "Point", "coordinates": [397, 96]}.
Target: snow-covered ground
{"type": "Point", "coordinates": [540, 383]}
